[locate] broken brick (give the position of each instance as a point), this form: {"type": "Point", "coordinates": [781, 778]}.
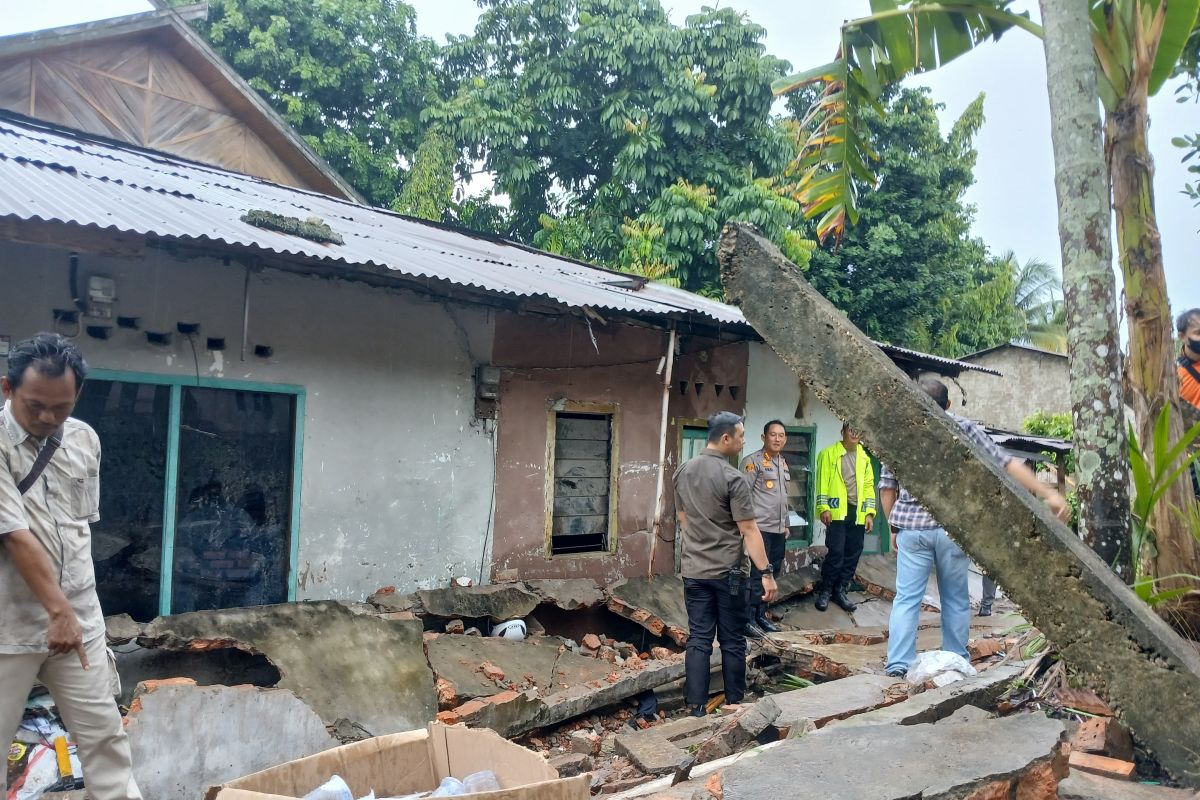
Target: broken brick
{"type": "Point", "coordinates": [1084, 700]}
{"type": "Point", "coordinates": [591, 642]}
{"type": "Point", "coordinates": [608, 654]}
{"type": "Point", "coordinates": [996, 790]}
{"type": "Point", "coordinates": [447, 717]}
{"type": "Point", "coordinates": [660, 653]}
{"type": "Point", "coordinates": [984, 648]}
{"type": "Point", "coordinates": [447, 694]}
{"type": "Point", "coordinates": [1103, 736]}
{"type": "Point", "coordinates": [1041, 782]}
{"type": "Point", "coordinates": [1102, 766]}
{"type": "Point", "coordinates": [455, 626]}
{"type": "Point", "coordinates": [491, 671]}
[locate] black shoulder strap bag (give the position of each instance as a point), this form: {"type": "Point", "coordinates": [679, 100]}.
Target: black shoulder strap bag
{"type": "Point", "coordinates": [1187, 364]}
{"type": "Point", "coordinates": [43, 458]}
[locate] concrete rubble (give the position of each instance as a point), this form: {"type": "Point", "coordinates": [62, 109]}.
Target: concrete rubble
{"type": "Point", "coordinates": [1105, 632]}
{"type": "Point", "coordinates": [185, 736]}
{"type": "Point", "coordinates": [342, 664]}
{"type": "Point", "coordinates": [571, 699]}
{"type": "Point", "coordinates": [953, 764]}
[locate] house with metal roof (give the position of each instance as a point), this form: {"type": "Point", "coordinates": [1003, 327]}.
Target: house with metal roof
{"type": "Point", "coordinates": [301, 397]}
{"type": "Point", "coordinates": [1035, 380]}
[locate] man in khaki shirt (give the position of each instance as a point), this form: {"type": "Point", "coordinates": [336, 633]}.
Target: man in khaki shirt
{"type": "Point", "coordinates": [51, 627]}
{"type": "Point", "coordinates": [716, 523]}
{"type": "Point", "coordinates": [768, 475]}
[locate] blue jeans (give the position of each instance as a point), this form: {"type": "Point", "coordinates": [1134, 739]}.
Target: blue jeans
{"type": "Point", "coordinates": [917, 553]}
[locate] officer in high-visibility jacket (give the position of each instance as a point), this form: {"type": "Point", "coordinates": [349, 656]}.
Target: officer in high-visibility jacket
{"type": "Point", "coordinates": [846, 506]}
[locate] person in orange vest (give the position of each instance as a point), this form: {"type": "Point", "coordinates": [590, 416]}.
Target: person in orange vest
{"type": "Point", "coordinates": [1188, 328]}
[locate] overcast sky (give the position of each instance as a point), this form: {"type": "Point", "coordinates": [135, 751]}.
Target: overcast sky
{"type": "Point", "coordinates": [1014, 191]}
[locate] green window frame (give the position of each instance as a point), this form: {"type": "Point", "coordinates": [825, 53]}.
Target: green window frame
{"type": "Point", "coordinates": [176, 383]}
{"type": "Point", "coordinates": [810, 432]}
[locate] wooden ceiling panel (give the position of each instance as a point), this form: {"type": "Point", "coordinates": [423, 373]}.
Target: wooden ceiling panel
{"type": "Point", "coordinates": [127, 60]}
{"type": "Point", "coordinates": [262, 162]}
{"type": "Point", "coordinates": [123, 106]}
{"type": "Point", "coordinates": [15, 84]}
{"type": "Point", "coordinates": [57, 100]}
{"type": "Point", "coordinates": [170, 78]}
{"type": "Point", "coordinates": [173, 120]}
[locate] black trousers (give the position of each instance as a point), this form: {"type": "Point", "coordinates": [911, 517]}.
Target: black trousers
{"type": "Point", "coordinates": [713, 611]}
{"type": "Point", "coordinates": [776, 544]}
{"type": "Point", "coordinates": [845, 542]}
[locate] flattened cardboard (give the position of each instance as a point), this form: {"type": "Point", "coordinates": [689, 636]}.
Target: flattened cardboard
{"type": "Point", "coordinates": [414, 761]}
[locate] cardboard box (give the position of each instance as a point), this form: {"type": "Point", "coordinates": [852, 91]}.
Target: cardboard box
{"type": "Point", "coordinates": [414, 761]}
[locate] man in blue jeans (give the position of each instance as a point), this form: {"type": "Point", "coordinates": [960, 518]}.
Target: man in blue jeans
{"type": "Point", "coordinates": [922, 545]}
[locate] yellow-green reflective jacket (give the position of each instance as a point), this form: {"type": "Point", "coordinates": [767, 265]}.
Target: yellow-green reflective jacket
{"type": "Point", "coordinates": [831, 489]}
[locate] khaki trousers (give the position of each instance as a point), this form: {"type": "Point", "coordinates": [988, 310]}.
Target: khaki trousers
{"type": "Point", "coordinates": [85, 701]}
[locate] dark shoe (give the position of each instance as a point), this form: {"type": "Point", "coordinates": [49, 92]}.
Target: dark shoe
{"type": "Point", "coordinates": [764, 624]}
{"type": "Point", "coordinates": [698, 711]}
{"type": "Point", "coordinates": [985, 611]}
{"type": "Point", "coordinates": [822, 600]}
{"type": "Point", "coordinates": [897, 673]}
{"type": "Point", "coordinates": [753, 631]}
{"type": "Point", "coordinates": [843, 602]}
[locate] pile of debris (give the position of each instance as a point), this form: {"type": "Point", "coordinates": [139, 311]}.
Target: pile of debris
{"type": "Point", "coordinates": [591, 679]}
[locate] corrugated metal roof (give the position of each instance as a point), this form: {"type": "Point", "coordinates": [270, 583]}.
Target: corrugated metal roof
{"type": "Point", "coordinates": [55, 175]}
{"type": "Point", "coordinates": [49, 174]}
{"type": "Point", "coordinates": [944, 366]}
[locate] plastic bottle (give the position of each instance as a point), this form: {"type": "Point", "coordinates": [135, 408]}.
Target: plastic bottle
{"type": "Point", "coordinates": [450, 787]}
{"type": "Point", "coordinates": [483, 781]}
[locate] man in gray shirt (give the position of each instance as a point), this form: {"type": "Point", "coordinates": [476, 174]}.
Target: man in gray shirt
{"type": "Point", "coordinates": [716, 520]}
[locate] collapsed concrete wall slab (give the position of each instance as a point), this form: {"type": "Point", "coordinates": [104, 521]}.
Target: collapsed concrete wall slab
{"type": "Point", "coordinates": [1149, 674]}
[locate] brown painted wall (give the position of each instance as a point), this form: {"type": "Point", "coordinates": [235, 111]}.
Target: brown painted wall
{"type": "Point", "coordinates": [549, 361]}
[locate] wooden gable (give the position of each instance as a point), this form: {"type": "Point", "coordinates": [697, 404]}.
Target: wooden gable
{"type": "Point", "coordinates": [160, 88]}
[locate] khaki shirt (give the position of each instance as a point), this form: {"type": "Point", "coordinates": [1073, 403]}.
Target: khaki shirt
{"type": "Point", "coordinates": [714, 497]}
{"type": "Point", "coordinates": [768, 484]}
{"type": "Point", "coordinates": [56, 510]}
{"type": "Point", "coordinates": [849, 478]}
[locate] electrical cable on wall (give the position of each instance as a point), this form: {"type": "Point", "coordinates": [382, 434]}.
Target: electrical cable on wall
{"type": "Point", "coordinates": [487, 530]}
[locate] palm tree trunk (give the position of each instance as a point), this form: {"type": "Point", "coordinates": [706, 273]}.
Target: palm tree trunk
{"type": "Point", "coordinates": [1153, 385]}
{"type": "Point", "coordinates": [1089, 290]}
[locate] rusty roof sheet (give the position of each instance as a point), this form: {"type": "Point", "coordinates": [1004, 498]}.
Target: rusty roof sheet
{"type": "Point", "coordinates": [55, 175]}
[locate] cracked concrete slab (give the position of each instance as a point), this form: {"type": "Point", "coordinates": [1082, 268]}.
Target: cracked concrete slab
{"type": "Point", "coordinates": [932, 705]}
{"type": "Point", "coordinates": [569, 594]}
{"type": "Point", "coordinates": [536, 662]}
{"type": "Point", "coordinates": [186, 737]}
{"type": "Point", "coordinates": [654, 603]}
{"type": "Point", "coordinates": [952, 764]}
{"type": "Point", "coordinates": [498, 601]}
{"type": "Point", "coordinates": [511, 713]}
{"type": "Point", "coordinates": [1146, 672]}
{"type": "Point", "coordinates": [825, 702]}
{"type": "Point", "coordinates": [344, 665]}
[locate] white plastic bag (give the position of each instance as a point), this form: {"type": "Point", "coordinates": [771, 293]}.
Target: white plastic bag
{"type": "Point", "coordinates": [940, 666]}
{"type": "Point", "coordinates": [333, 789]}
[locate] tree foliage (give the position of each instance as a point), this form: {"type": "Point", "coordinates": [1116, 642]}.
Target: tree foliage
{"type": "Point", "coordinates": [909, 272]}
{"type": "Point", "coordinates": [352, 76]}
{"type": "Point", "coordinates": [620, 137]}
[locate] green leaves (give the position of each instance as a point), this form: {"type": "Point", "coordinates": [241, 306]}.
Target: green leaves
{"type": "Point", "coordinates": [606, 113]}
{"type": "Point", "coordinates": [897, 40]}
{"type": "Point", "coordinates": [1154, 473]}
{"type": "Point", "coordinates": [1178, 26]}
{"type": "Point", "coordinates": [350, 75]}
